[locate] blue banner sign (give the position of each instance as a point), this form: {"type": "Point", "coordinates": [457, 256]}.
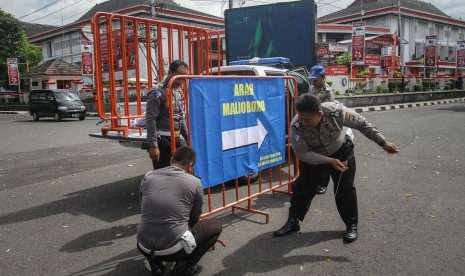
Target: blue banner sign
{"type": "Point", "coordinates": [237, 126]}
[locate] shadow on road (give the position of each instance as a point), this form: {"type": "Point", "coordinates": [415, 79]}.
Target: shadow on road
{"type": "Point", "coordinates": [265, 253]}
{"type": "Point", "coordinates": [109, 202]}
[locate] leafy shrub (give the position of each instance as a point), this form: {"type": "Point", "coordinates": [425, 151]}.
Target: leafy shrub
{"type": "Point", "coordinates": [330, 83]}
{"type": "Point", "coordinates": [393, 86]}
{"type": "Point", "coordinates": [417, 87]}
{"type": "Point", "coordinates": [447, 87]}
{"type": "Point", "coordinates": [381, 89]}
{"type": "Point", "coordinates": [363, 74]}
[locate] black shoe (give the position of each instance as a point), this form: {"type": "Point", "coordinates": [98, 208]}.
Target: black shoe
{"type": "Point", "coordinates": [181, 268]}
{"type": "Point", "coordinates": [156, 267]}
{"type": "Point", "coordinates": [351, 233]}
{"type": "Point", "coordinates": [321, 190]}
{"type": "Point", "coordinates": [292, 225]}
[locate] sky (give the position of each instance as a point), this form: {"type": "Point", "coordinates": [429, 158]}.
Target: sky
{"type": "Point", "coordinates": [62, 12]}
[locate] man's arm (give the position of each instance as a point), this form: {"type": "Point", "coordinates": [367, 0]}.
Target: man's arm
{"type": "Point", "coordinates": [357, 121]}
{"type": "Point", "coordinates": [197, 206]}
{"type": "Point", "coordinates": [154, 102]}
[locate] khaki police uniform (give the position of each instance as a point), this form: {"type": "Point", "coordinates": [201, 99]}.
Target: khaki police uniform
{"type": "Point", "coordinates": [158, 122]}
{"type": "Point", "coordinates": [324, 93]}
{"type": "Point", "coordinates": [313, 147]}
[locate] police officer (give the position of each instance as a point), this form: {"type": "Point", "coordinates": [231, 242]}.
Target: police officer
{"type": "Point", "coordinates": [321, 89]}
{"type": "Point", "coordinates": [158, 119]}
{"type": "Point", "coordinates": [318, 139]}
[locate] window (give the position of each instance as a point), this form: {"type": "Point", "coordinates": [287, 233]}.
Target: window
{"type": "Point", "coordinates": [63, 84]}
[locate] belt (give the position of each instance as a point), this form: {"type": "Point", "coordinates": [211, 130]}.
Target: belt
{"type": "Point", "coordinates": [175, 248]}
{"type": "Point", "coordinates": [177, 133]}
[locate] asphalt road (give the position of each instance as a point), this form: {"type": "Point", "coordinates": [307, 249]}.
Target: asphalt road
{"type": "Point", "coordinates": [69, 206]}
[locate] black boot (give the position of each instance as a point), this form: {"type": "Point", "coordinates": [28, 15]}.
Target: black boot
{"type": "Point", "coordinates": [351, 233]}
{"type": "Point", "coordinates": [321, 190]}
{"type": "Point", "coordinates": [157, 267]}
{"type": "Point", "coordinates": [181, 268]}
{"type": "Point", "coordinates": [292, 225]}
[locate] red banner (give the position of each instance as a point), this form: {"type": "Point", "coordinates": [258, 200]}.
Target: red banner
{"type": "Point", "coordinates": [358, 42]}
{"type": "Point", "coordinates": [430, 51]}
{"type": "Point", "coordinates": [388, 62]}
{"type": "Point", "coordinates": [373, 59]}
{"type": "Point", "coordinates": [13, 72]}
{"type": "Point", "coordinates": [117, 49]}
{"type": "Point", "coordinates": [338, 70]}
{"type": "Point", "coordinates": [87, 65]}
{"type": "Point", "coordinates": [460, 54]}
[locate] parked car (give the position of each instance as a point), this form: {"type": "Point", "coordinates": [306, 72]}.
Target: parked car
{"type": "Point", "coordinates": [55, 103]}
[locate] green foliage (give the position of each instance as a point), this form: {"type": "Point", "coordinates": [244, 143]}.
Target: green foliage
{"type": "Point", "coordinates": [330, 83]}
{"type": "Point", "coordinates": [397, 74]}
{"type": "Point", "coordinates": [338, 93]}
{"type": "Point", "coordinates": [430, 85]}
{"type": "Point", "coordinates": [381, 89]}
{"type": "Point", "coordinates": [417, 87]}
{"type": "Point", "coordinates": [447, 87]}
{"type": "Point", "coordinates": [344, 59]}
{"type": "Point", "coordinates": [14, 44]}
{"type": "Point", "coordinates": [363, 74]}
{"type": "Point", "coordinates": [361, 85]}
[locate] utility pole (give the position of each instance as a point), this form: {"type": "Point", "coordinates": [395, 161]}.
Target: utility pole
{"type": "Point", "coordinates": [399, 31]}
{"type": "Point", "coordinates": [230, 4]}
{"type": "Point", "coordinates": [361, 10]}
{"type": "Point", "coordinates": [152, 9]}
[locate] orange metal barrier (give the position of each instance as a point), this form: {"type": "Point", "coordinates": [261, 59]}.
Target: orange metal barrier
{"type": "Point", "coordinates": [126, 45]}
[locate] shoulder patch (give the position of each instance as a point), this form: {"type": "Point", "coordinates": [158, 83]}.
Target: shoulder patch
{"type": "Point", "coordinates": [158, 94]}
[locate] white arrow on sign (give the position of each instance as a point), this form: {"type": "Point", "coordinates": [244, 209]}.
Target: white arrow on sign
{"type": "Point", "coordinates": [236, 138]}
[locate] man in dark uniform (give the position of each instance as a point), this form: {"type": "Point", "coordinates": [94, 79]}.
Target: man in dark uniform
{"type": "Point", "coordinates": [171, 205]}
{"type": "Point", "coordinates": [318, 138]}
{"type": "Point", "coordinates": [158, 119]}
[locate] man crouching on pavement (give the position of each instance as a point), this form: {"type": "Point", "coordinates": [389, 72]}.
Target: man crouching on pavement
{"type": "Point", "coordinates": [170, 229]}
{"type": "Point", "coordinates": [318, 139]}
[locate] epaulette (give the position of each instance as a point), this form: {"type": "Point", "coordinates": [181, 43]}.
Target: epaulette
{"type": "Point", "coordinates": [295, 122]}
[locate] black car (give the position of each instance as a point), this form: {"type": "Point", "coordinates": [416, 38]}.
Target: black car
{"type": "Point", "coordinates": [55, 103]}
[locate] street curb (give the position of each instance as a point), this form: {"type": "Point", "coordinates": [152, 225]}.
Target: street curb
{"type": "Point", "coordinates": [357, 109]}
{"type": "Point", "coordinates": [404, 105]}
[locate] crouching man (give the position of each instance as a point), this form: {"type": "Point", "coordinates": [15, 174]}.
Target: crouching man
{"type": "Point", "coordinates": [170, 229]}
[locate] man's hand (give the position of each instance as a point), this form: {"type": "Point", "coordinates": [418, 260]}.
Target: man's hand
{"type": "Point", "coordinates": [154, 153]}
{"type": "Point", "coordinates": [390, 147]}
{"type": "Point", "coordinates": [337, 165]}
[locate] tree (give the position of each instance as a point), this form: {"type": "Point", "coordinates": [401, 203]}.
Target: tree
{"type": "Point", "coordinates": [14, 44]}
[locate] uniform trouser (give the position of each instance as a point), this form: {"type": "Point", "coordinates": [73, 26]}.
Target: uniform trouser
{"type": "Point", "coordinates": [206, 233]}
{"type": "Point", "coordinates": [164, 146]}
{"type": "Point", "coordinates": [305, 189]}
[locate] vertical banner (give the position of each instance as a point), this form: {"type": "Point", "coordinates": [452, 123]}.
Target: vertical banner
{"type": "Point", "coordinates": [430, 51]}
{"type": "Point", "coordinates": [87, 67]}
{"type": "Point", "coordinates": [358, 43]}
{"type": "Point", "coordinates": [13, 72]}
{"type": "Point", "coordinates": [392, 65]}
{"type": "Point", "coordinates": [239, 126]}
{"type": "Point", "coordinates": [460, 54]}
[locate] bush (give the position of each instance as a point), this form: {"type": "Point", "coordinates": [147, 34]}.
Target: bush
{"type": "Point", "coordinates": [330, 83]}
{"type": "Point", "coordinates": [447, 87]}
{"type": "Point", "coordinates": [363, 74]}
{"type": "Point", "coordinates": [338, 93]}
{"type": "Point", "coordinates": [381, 89]}
{"type": "Point", "coordinates": [360, 85]}
{"type": "Point", "coordinates": [417, 87]}
{"type": "Point", "coordinates": [393, 86]}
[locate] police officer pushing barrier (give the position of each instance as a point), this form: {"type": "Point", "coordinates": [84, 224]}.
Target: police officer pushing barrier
{"type": "Point", "coordinates": [170, 229]}
{"type": "Point", "coordinates": [318, 138]}
{"type": "Point", "coordinates": [158, 119]}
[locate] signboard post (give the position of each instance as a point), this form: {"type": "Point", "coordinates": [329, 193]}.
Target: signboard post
{"type": "Point", "coordinates": [430, 51]}
{"type": "Point", "coordinates": [87, 66]}
{"type": "Point", "coordinates": [239, 126]}
{"type": "Point", "coordinates": [460, 54]}
{"type": "Point", "coordinates": [358, 43]}
{"type": "Point", "coordinates": [13, 72]}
